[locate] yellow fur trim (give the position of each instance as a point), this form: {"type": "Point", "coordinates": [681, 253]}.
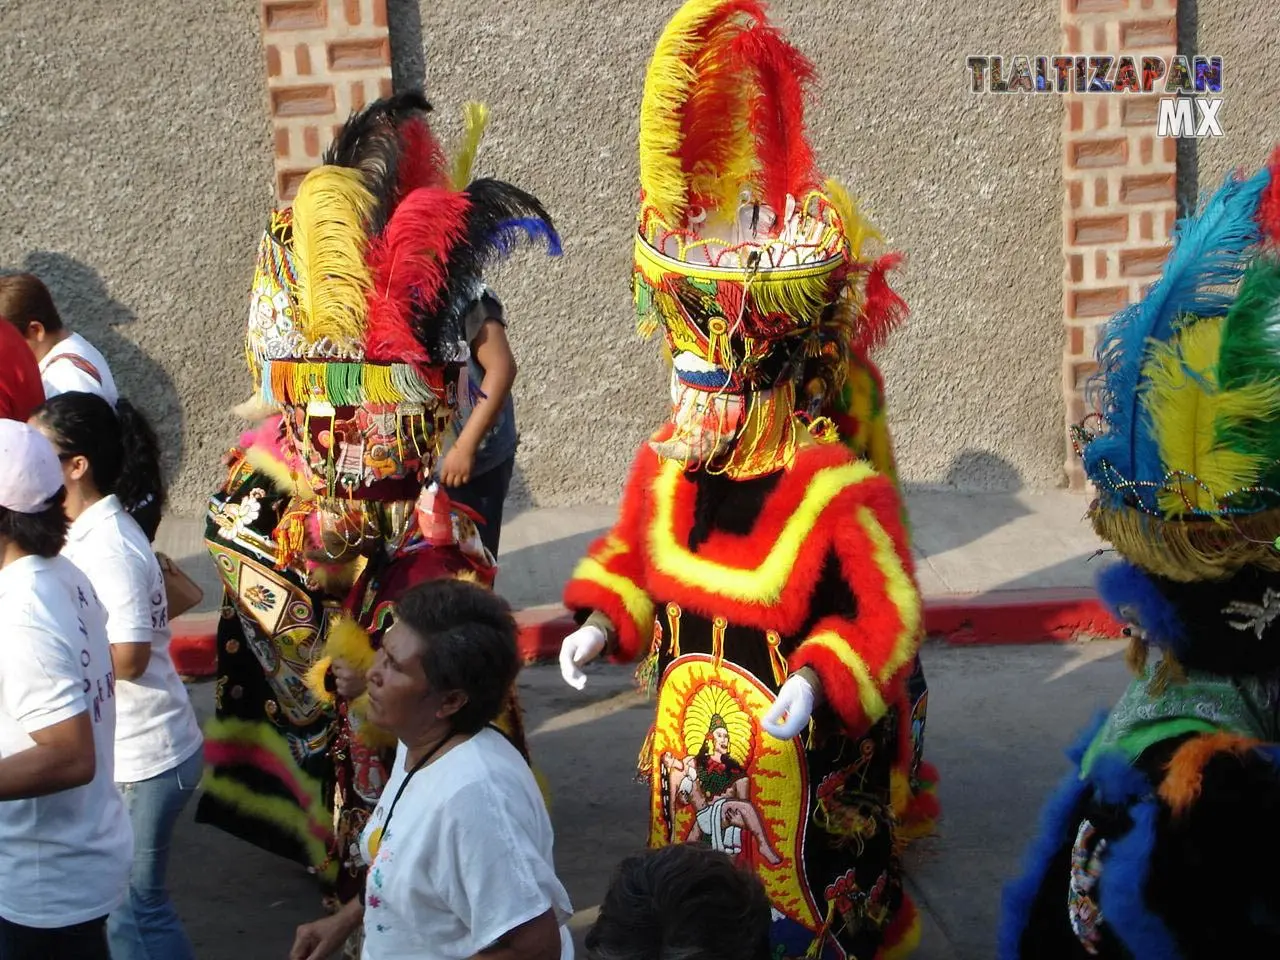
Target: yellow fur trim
{"type": "Point", "coordinates": [333, 280]}
{"type": "Point", "coordinates": [476, 116]}
{"type": "Point", "coordinates": [349, 642]}
{"type": "Point", "coordinates": [314, 679]}
{"type": "Point", "coordinates": [869, 697]}
{"type": "Point", "coordinates": [638, 603]}
{"type": "Point", "coordinates": [900, 589]}
{"type": "Point", "coordinates": [272, 466]}
{"type": "Point", "coordinates": [1187, 409]}
{"type": "Point", "coordinates": [765, 583]}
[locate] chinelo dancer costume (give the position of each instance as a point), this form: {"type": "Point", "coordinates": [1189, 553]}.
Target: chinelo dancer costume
{"type": "Point", "coordinates": [760, 568]}
{"type": "Point", "coordinates": [356, 343]}
{"type": "Point", "coordinates": [1163, 840]}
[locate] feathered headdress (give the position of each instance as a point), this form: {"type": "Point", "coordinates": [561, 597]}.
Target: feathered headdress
{"type": "Point", "coordinates": [1185, 451]}
{"type": "Point", "coordinates": [363, 283]}
{"type": "Point", "coordinates": [739, 238]}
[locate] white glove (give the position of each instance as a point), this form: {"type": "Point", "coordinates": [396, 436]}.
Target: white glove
{"type": "Point", "coordinates": [795, 699]}
{"type": "Point", "coordinates": [580, 648]}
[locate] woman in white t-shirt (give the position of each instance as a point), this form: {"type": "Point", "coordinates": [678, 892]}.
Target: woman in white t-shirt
{"type": "Point", "coordinates": [460, 846]}
{"type": "Point", "coordinates": [65, 841]}
{"type": "Point", "coordinates": [158, 744]}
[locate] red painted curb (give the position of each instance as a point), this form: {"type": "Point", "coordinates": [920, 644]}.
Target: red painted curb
{"type": "Point", "coordinates": [999, 617]}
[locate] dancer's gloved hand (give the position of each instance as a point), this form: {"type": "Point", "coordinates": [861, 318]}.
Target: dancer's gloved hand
{"type": "Point", "coordinates": [790, 713]}
{"type": "Point", "coordinates": [580, 648]}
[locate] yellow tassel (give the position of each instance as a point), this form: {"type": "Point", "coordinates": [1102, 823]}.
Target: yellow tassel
{"type": "Point", "coordinates": [673, 625]}
{"type": "Point", "coordinates": [347, 641]}
{"type": "Point", "coordinates": [717, 640]}
{"type": "Point", "coordinates": [776, 659]}
{"type": "Point", "coordinates": [476, 116]}
{"type": "Point", "coordinates": [857, 228]}
{"type": "Point", "coordinates": [329, 222]}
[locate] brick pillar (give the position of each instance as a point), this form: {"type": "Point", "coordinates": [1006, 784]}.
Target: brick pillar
{"type": "Point", "coordinates": [1120, 181]}
{"type": "Point", "coordinates": [325, 59]}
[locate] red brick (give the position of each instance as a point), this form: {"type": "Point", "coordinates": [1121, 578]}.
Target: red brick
{"type": "Point", "coordinates": [1081, 372]}
{"type": "Point", "coordinates": [1075, 115]}
{"type": "Point", "coordinates": [1144, 262]}
{"type": "Point", "coordinates": [1145, 34]}
{"type": "Point", "coordinates": [1170, 218]}
{"type": "Point", "coordinates": [311, 141]}
{"type": "Point", "coordinates": [309, 101]}
{"type": "Point", "coordinates": [357, 95]}
{"type": "Point", "coordinates": [1071, 34]}
{"type": "Point", "coordinates": [1139, 111]}
{"type": "Point", "coordinates": [295, 14]}
{"type": "Point", "coordinates": [379, 13]}
{"type": "Point", "coordinates": [384, 87]}
{"type": "Point", "coordinates": [1100, 192]}
{"type": "Point", "coordinates": [302, 54]}
{"type": "Point", "coordinates": [1085, 154]}
{"type": "Point", "coordinates": [1145, 226]}
{"type": "Point", "coordinates": [1095, 6]}
{"type": "Point", "coordinates": [352, 8]}
{"type": "Point", "coordinates": [1103, 115]}
{"type": "Point", "coordinates": [1096, 303]}
{"type": "Point", "coordinates": [1169, 150]}
{"type": "Point", "coordinates": [359, 54]}
{"type": "Point", "coordinates": [1100, 36]}
{"type": "Point", "coordinates": [273, 61]}
{"type": "Point", "coordinates": [1100, 264]}
{"type": "Point", "coordinates": [1075, 267]}
{"type": "Point", "coordinates": [1075, 341]}
{"type": "Point", "coordinates": [1148, 188]}
{"type": "Point", "coordinates": [1075, 193]}
{"type": "Point", "coordinates": [282, 142]}
{"type": "Point", "coordinates": [287, 183]}
{"type": "Point", "coordinates": [1085, 231]}
{"type": "Point", "coordinates": [1145, 149]}
{"type": "Point", "coordinates": [1075, 409]}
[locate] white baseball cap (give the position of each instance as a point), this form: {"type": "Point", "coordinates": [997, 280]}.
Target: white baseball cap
{"type": "Point", "coordinates": [30, 472]}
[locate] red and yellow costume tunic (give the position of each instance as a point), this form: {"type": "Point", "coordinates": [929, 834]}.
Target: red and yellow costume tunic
{"type": "Point", "coordinates": [729, 586]}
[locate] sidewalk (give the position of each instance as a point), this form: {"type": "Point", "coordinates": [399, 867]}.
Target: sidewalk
{"type": "Point", "coordinates": [993, 567]}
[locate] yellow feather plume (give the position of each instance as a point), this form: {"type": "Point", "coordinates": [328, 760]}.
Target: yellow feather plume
{"type": "Point", "coordinates": [476, 117]}
{"type": "Point", "coordinates": [1187, 410]}
{"type": "Point", "coordinates": [857, 228]}
{"type": "Point", "coordinates": [314, 679]}
{"type": "Point", "coordinates": [330, 214]}
{"type": "Point", "coordinates": [666, 90]}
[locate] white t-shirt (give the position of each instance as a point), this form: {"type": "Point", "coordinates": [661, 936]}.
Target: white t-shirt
{"type": "Point", "coordinates": [156, 726]}
{"type": "Point", "coordinates": [467, 860]}
{"type": "Point", "coordinates": [64, 858]}
{"type": "Point", "coordinates": [82, 369]}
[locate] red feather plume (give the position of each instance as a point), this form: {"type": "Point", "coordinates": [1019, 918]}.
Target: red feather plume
{"type": "Point", "coordinates": [777, 114]}
{"type": "Point", "coordinates": [422, 160]}
{"type": "Point", "coordinates": [409, 262]}
{"type": "Point", "coordinates": [882, 309]}
{"type": "Point", "coordinates": [715, 100]}
{"type": "Point", "coordinates": [1269, 206]}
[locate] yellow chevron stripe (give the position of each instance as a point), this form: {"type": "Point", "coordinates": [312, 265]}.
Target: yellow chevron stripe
{"type": "Point", "coordinates": [873, 704]}
{"type": "Point", "coordinates": [900, 589]}
{"type": "Point", "coordinates": [638, 604]}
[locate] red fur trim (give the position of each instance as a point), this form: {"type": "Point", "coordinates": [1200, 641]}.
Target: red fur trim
{"type": "Point", "coordinates": [900, 928]}
{"type": "Point", "coordinates": [839, 688]}
{"type": "Point", "coordinates": [777, 114]}
{"type": "Point", "coordinates": [586, 595]}
{"type": "Point", "coordinates": [409, 263]}
{"type": "Point", "coordinates": [1269, 206]}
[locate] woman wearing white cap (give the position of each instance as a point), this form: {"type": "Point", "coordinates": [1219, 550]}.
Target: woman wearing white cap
{"type": "Point", "coordinates": [65, 841]}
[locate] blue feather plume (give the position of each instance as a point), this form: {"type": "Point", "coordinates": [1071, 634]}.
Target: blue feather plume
{"type": "Point", "coordinates": [509, 233]}
{"type": "Point", "coordinates": [1210, 250]}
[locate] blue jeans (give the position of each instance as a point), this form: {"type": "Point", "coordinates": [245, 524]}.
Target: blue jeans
{"type": "Point", "coordinates": [486, 494]}
{"type": "Point", "coordinates": [146, 925]}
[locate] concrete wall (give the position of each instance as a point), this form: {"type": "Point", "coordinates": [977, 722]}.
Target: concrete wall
{"type": "Point", "coordinates": [969, 187]}
{"type": "Point", "coordinates": [1244, 35]}
{"type": "Point", "coordinates": [137, 170]}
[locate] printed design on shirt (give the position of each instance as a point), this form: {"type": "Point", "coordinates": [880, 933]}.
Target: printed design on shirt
{"type": "Point", "coordinates": [382, 856]}
{"type": "Point", "coordinates": [102, 689]}
{"type": "Point", "coordinates": [718, 780]}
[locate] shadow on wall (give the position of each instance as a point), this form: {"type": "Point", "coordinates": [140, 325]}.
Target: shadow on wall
{"type": "Point", "coordinates": [939, 525]}
{"type": "Point", "coordinates": [87, 307]}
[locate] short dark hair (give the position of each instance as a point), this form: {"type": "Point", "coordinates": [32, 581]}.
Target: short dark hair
{"type": "Point", "coordinates": [468, 643]}
{"type": "Point", "coordinates": [23, 298]}
{"type": "Point", "coordinates": [43, 533]}
{"type": "Point", "coordinates": [682, 902]}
